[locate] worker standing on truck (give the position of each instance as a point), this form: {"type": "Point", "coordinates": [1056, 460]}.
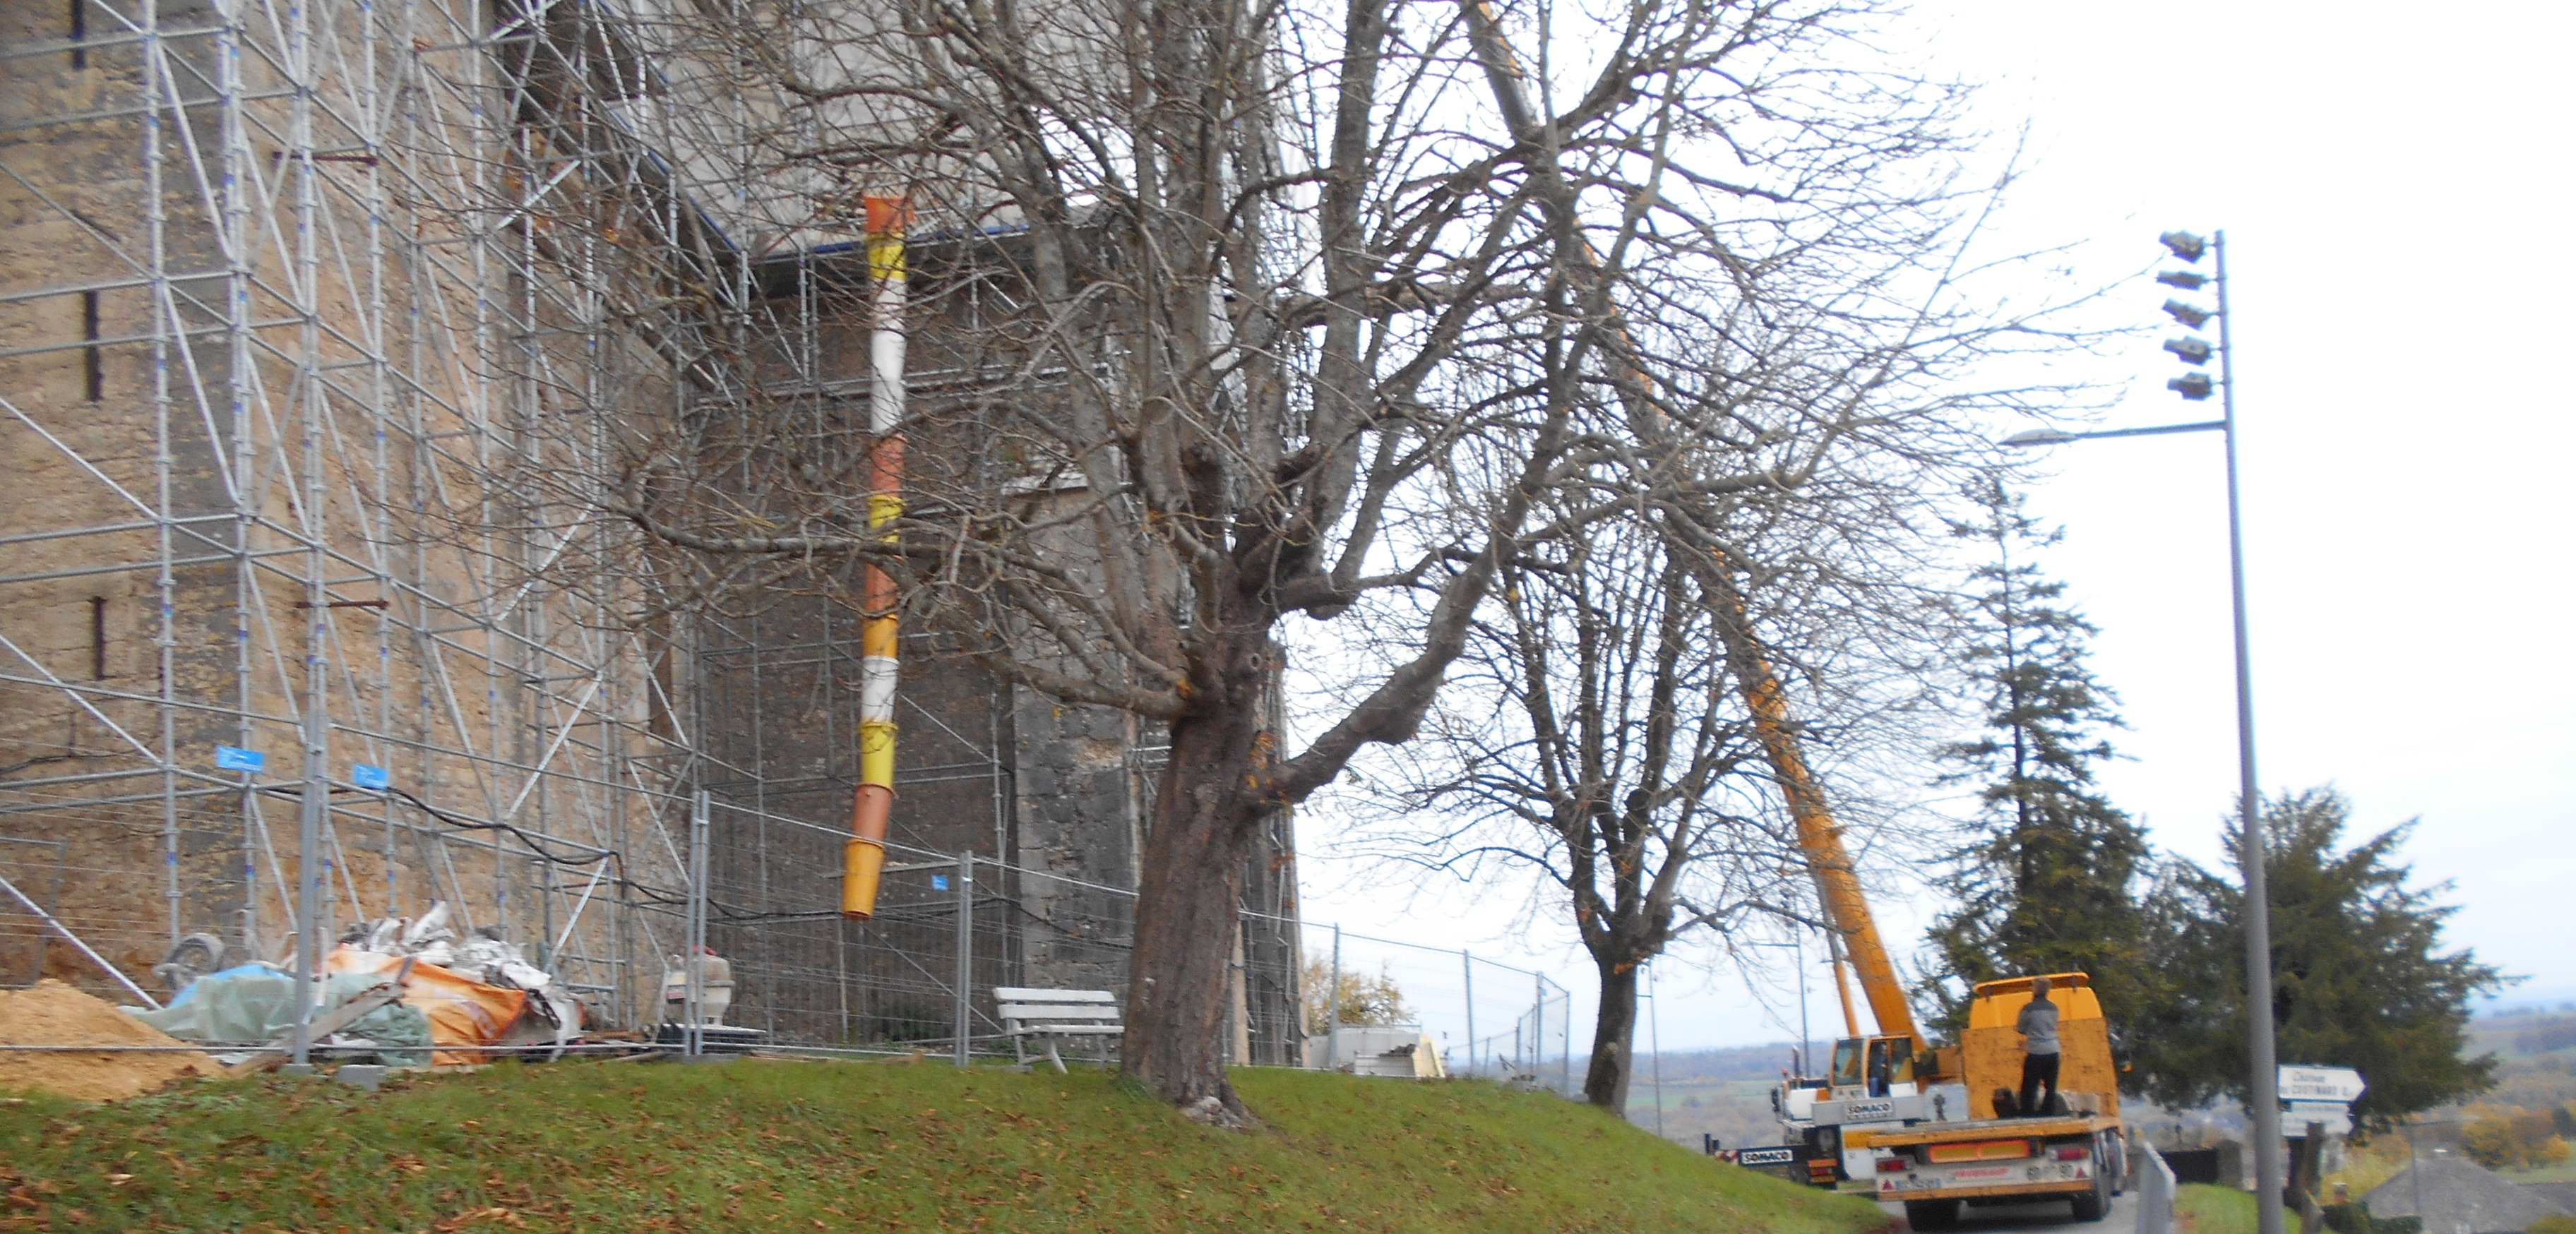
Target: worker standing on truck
{"type": "Point", "coordinates": [2038, 1029]}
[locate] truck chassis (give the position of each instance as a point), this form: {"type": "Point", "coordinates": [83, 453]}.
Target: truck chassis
{"type": "Point", "coordinates": [1934, 1167]}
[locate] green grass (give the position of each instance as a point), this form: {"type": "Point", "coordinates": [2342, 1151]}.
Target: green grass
{"type": "Point", "coordinates": [2202, 1209]}
{"type": "Point", "coordinates": [863, 1146]}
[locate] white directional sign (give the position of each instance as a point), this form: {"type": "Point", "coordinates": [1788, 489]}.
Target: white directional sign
{"type": "Point", "coordinates": [2334, 1115]}
{"type": "Point", "coordinates": [2300, 1083]}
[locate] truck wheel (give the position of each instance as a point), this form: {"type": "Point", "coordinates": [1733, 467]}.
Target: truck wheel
{"type": "Point", "coordinates": [2095, 1204]}
{"type": "Point", "coordinates": [1931, 1214]}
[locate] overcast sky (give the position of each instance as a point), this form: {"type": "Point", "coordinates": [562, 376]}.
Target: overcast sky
{"type": "Point", "coordinates": [2394, 182]}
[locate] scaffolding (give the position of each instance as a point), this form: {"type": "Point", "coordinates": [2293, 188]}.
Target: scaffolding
{"type": "Point", "coordinates": [324, 332]}
{"type": "Point", "coordinates": [276, 641]}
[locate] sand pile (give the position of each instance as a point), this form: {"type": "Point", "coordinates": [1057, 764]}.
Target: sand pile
{"type": "Point", "coordinates": [56, 1014]}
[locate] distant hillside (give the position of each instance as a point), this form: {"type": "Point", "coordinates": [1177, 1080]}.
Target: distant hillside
{"type": "Point", "coordinates": [1751, 1062]}
{"type": "Point", "coordinates": [1721, 1093]}
{"type": "Point", "coordinates": [2525, 1030]}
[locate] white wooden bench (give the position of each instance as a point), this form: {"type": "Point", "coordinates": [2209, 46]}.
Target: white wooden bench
{"type": "Point", "coordinates": [1050, 1014]}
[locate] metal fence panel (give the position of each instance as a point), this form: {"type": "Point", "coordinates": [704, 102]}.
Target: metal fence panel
{"type": "Point", "coordinates": [951, 928]}
{"type": "Point", "coordinates": [2155, 1190]}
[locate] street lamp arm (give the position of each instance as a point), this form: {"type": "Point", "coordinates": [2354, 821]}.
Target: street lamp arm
{"type": "Point", "coordinates": [2051, 437]}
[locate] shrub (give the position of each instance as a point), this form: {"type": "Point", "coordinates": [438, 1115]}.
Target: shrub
{"type": "Point", "coordinates": [2511, 1137]}
{"type": "Point", "coordinates": [2490, 1142]}
{"type": "Point", "coordinates": [2355, 1219]}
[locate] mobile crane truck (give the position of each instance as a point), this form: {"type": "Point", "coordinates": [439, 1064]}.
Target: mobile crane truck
{"type": "Point", "coordinates": [1873, 1124]}
{"type": "Point", "coordinates": [2075, 1150]}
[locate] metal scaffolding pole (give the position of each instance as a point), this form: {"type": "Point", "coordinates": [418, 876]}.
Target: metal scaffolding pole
{"type": "Point", "coordinates": [965, 952]}
{"type": "Point", "coordinates": [693, 964]}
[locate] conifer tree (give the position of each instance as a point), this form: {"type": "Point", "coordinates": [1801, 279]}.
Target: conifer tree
{"type": "Point", "coordinates": [2360, 976]}
{"type": "Point", "coordinates": [2044, 882]}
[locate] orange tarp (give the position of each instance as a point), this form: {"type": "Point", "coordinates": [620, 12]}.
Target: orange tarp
{"type": "Point", "coordinates": [462, 1011]}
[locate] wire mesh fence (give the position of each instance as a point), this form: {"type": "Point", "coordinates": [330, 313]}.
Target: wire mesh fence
{"type": "Point", "coordinates": [761, 891]}
{"type": "Point", "coordinates": [952, 928]}
{"type": "Point", "coordinates": [1487, 1018]}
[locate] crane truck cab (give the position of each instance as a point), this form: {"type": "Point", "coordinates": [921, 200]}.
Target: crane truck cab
{"type": "Point", "coordinates": [1863, 1069]}
{"type": "Point", "coordinates": [1872, 1082]}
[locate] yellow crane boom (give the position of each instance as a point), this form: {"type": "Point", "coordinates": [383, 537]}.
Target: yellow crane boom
{"type": "Point", "coordinates": [1819, 836]}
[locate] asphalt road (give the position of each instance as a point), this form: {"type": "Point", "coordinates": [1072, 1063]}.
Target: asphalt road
{"type": "Point", "coordinates": [2054, 1215]}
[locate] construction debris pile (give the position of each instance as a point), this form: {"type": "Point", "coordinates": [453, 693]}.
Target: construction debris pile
{"type": "Point", "coordinates": [394, 991]}
{"type": "Point", "coordinates": [479, 991]}
{"type": "Point", "coordinates": [458, 996]}
{"type": "Point", "coordinates": [55, 1014]}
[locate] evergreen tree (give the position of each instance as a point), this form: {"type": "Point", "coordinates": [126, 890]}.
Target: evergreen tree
{"type": "Point", "coordinates": [2359, 979]}
{"type": "Point", "coordinates": [2044, 883]}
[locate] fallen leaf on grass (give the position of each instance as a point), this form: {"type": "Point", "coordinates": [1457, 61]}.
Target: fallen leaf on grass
{"type": "Point", "coordinates": [464, 1219]}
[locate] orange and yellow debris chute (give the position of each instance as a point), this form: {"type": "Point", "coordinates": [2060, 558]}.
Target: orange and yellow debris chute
{"type": "Point", "coordinates": [863, 858]}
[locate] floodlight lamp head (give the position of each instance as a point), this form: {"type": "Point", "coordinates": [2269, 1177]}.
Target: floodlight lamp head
{"type": "Point", "coordinates": [2185, 279]}
{"type": "Point", "coordinates": [2184, 244]}
{"type": "Point", "coordinates": [2192, 316]}
{"type": "Point", "coordinates": [2192, 386]}
{"type": "Point", "coordinates": [2038, 437]}
{"type": "Point", "coordinates": [2189, 350]}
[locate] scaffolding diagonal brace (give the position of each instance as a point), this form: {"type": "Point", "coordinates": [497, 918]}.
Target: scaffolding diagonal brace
{"type": "Point", "coordinates": [58, 927]}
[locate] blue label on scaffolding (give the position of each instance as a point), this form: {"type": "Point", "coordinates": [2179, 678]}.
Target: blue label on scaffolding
{"type": "Point", "coordinates": [939, 882]}
{"type": "Point", "coordinates": [365, 776]}
{"type": "Point", "coordinates": [235, 758]}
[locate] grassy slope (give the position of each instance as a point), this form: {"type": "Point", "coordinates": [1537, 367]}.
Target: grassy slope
{"type": "Point", "coordinates": [2202, 1209]}
{"type": "Point", "coordinates": [785, 1146]}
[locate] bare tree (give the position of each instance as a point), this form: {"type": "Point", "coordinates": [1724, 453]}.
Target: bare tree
{"type": "Point", "coordinates": [1618, 725]}
{"type": "Point", "coordinates": [1244, 315]}
{"type": "Point", "coordinates": [1592, 733]}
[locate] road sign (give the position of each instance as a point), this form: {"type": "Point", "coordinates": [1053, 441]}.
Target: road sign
{"type": "Point", "coordinates": [235, 758]}
{"type": "Point", "coordinates": [2334, 1115]}
{"type": "Point", "coordinates": [365, 776]}
{"type": "Point", "coordinates": [2341, 1085]}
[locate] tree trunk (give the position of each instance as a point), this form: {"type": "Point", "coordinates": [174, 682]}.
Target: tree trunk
{"type": "Point", "coordinates": [1614, 1034]}
{"type": "Point", "coordinates": [1204, 823]}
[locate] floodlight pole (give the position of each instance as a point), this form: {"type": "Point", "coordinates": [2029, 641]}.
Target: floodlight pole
{"type": "Point", "coordinates": [2263, 1089]}
{"type": "Point", "coordinates": [2262, 1095]}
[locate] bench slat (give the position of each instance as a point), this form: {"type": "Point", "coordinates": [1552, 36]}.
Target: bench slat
{"type": "Point", "coordinates": [1019, 1011]}
{"type": "Point", "coordinates": [1068, 1030]}
{"type": "Point", "coordinates": [1027, 994]}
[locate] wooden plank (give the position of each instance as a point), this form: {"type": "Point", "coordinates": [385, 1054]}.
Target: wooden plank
{"type": "Point", "coordinates": [1024, 1011]}
{"type": "Point", "coordinates": [1068, 1030]}
{"type": "Point", "coordinates": [1025, 994]}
